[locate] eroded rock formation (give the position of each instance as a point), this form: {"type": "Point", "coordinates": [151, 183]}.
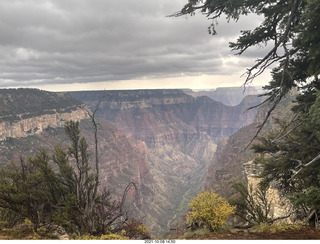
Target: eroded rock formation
{"type": "Point", "coordinates": [162, 140]}
{"type": "Point", "coordinates": [180, 133]}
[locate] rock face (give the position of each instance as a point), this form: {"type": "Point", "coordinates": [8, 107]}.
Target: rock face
{"type": "Point", "coordinates": [36, 125]}
{"type": "Point", "coordinates": [149, 115]}
{"type": "Point", "coordinates": [25, 112]}
{"type": "Point", "coordinates": [281, 207]}
{"type": "Point", "coordinates": [233, 160]}
{"type": "Point", "coordinates": [180, 133]}
{"type": "Point", "coordinates": [162, 140]}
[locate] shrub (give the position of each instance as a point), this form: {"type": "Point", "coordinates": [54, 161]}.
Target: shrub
{"type": "Point", "coordinates": [252, 204]}
{"type": "Point", "coordinates": [195, 234]}
{"type": "Point", "coordinates": [102, 237]}
{"type": "Point", "coordinates": [135, 229]}
{"type": "Point", "coordinates": [278, 227]}
{"type": "Point", "coordinates": [209, 209]}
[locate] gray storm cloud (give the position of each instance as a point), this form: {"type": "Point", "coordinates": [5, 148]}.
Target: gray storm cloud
{"type": "Point", "coordinates": [67, 41]}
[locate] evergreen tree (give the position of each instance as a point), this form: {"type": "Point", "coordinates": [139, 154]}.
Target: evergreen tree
{"type": "Point", "coordinates": [291, 155]}
{"type": "Point", "coordinates": [25, 192]}
{"type": "Point", "coordinates": [290, 29]}
{"type": "Point", "coordinates": [291, 158]}
{"type": "Point", "coordinates": [61, 188]}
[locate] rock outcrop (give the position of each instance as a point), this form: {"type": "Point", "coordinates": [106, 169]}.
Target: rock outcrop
{"type": "Point", "coordinates": [280, 207]}
{"type": "Point", "coordinates": [25, 112]}
{"type": "Point", "coordinates": [36, 125]}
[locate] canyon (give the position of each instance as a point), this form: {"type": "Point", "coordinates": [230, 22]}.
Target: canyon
{"type": "Point", "coordinates": [181, 133]}
{"type": "Point", "coordinates": [165, 141]}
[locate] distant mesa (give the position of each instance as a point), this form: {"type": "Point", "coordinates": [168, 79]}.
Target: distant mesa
{"type": "Point", "coordinates": [230, 96]}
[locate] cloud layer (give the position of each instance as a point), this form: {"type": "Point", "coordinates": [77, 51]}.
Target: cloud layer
{"type": "Point", "coordinates": [81, 41]}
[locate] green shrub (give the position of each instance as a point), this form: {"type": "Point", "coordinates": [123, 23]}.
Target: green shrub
{"type": "Point", "coordinates": [199, 232]}
{"type": "Point", "coordinates": [278, 227]}
{"type": "Point", "coordinates": [3, 224]}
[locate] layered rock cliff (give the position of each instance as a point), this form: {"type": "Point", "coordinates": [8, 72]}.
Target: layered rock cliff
{"type": "Point", "coordinates": [162, 140]}
{"type": "Point", "coordinates": [25, 112]}
{"type": "Point", "coordinates": [157, 115]}
{"type": "Point", "coordinates": [27, 129]}
{"type": "Point", "coordinates": [180, 133]}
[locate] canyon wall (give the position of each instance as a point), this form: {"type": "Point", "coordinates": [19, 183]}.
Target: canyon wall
{"type": "Point", "coordinates": [180, 132]}
{"type": "Point", "coordinates": [24, 112]}
{"type": "Point", "coordinates": [233, 160]}
{"type": "Point", "coordinates": [157, 115]}
{"type": "Point", "coordinates": [36, 125]}
{"type": "Point", "coordinates": [162, 140]}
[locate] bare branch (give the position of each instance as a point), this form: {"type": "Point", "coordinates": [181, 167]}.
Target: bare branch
{"type": "Point", "coordinates": [265, 120]}
{"type": "Point", "coordinates": [131, 184]}
{"type": "Point", "coordinates": [96, 143]}
{"type": "Point", "coordinates": [279, 137]}
{"type": "Point", "coordinates": [121, 213]}
{"type": "Point", "coordinates": [306, 165]}
{"type": "Point", "coordinates": [256, 106]}
{"type": "Point", "coordinates": [272, 54]}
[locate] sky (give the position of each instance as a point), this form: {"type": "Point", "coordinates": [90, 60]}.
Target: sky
{"type": "Point", "coordinates": [65, 45]}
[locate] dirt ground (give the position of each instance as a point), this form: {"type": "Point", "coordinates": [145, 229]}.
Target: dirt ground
{"type": "Point", "coordinates": [305, 233]}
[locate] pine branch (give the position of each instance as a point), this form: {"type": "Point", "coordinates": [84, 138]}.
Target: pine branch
{"type": "Point", "coordinates": [265, 119]}
{"type": "Point", "coordinates": [306, 165]}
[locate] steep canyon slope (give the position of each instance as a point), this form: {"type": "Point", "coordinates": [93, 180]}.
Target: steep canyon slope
{"type": "Point", "coordinates": [180, 132]}
{"type": "Point", "coordinates": [32, 120]}
{"type": "Point", "coordinates": [162, 140]}
{"type": "Point", "coordinates": [233, 153]}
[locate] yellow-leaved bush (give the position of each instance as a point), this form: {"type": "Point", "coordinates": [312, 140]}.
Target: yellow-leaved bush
{"type": "Point", "coordinates": [210, 209]}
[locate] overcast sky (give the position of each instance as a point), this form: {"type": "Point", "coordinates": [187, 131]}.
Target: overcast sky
{"type": "Point", "coordinates": [128, 44]}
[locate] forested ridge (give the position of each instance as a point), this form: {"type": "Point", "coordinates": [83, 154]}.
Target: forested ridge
{"type": "Point", "coordinates": [16, 104]}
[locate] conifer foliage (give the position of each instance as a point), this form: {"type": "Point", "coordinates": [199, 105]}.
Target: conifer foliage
{"type": "Point", "coordinates": [60, 188]}
{"type": "Point", "coordinates": [290, 31]}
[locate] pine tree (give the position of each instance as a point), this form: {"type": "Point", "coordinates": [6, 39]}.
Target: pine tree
{"type": "Point", "coordinates": [291, 29]}
{"type": "Point", "coordinates": [61, 188]}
